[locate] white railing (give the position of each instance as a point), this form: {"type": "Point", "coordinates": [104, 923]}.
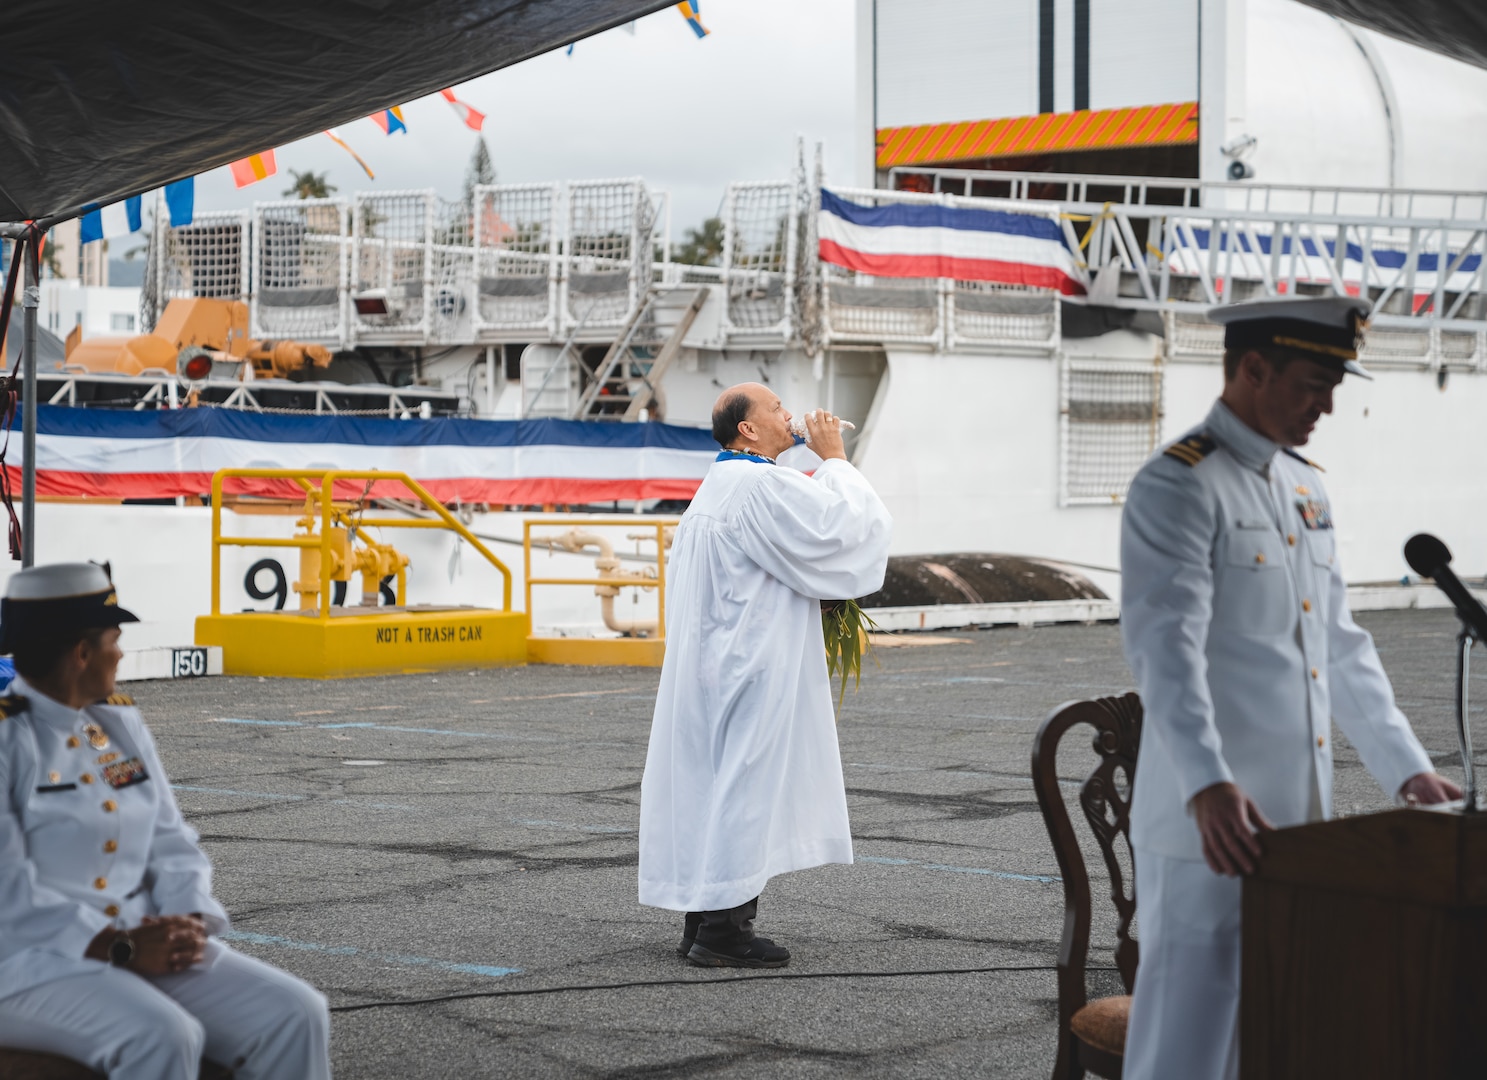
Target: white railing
{"type": "Point", "coordinates": [761, 237]}
{"type": "Point", "coordinates": [543, 262]}
{"type": "Point", "coordinates": [1170, 191]}
{"type": "Point", "coordinates": [518, 262]}
{"type": "Point", "coordinates": [1426, 278]}
{"type": "Point", "coordinates": [942, 313]}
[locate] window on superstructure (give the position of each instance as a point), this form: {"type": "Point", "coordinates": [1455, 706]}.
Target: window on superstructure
{"type": "Point", "coordinates": [1110, 422]}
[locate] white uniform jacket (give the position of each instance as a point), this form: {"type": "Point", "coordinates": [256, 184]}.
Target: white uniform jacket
{"type": "Point", "coordinates": [90, 836]}
{"type": "Point", "coordinates": [1235, 621]}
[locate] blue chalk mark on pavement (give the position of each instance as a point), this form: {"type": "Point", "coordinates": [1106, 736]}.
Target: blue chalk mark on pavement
{"type": "Point", "coordinates": [367, 724]}
{"type": "Point", "coordinates": [981, 871]}
{"type": "Point", "coordinates": [273, 941]}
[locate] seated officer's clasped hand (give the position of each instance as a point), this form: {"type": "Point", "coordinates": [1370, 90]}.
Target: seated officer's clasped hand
{"type": "Point", "coordinates": [163, 945]}
{"type": "Point", "coordinates": [168, 944]}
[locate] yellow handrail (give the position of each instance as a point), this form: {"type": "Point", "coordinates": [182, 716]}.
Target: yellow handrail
{"type": "Point", "coordinates": [328, 478]}
{"type": "Point", "coordinates": [659, 583]}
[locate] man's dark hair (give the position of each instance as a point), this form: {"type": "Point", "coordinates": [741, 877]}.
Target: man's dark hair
{"type": "Point", "coordinates": [1278, 359]}
{"type": "Point", "coordinates": [729, 413]}
{"type": "Point", "coordinates": [38, 657]}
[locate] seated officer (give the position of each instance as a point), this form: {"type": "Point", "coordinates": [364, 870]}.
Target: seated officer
{"type": "Point", "coordinates": [107, 921]}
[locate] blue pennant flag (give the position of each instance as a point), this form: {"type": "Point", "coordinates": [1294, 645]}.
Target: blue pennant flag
{"type": "Point", "coordinates": [180, 200]}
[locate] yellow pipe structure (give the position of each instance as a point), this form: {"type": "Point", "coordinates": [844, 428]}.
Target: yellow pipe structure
{"type": "Point", "coordinates": [661, 525]}
{"type": "Point", "coordinates": [328, 511]}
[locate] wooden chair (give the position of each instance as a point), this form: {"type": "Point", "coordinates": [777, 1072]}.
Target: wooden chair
{"type": "Point", "coordinates": [1092, 1034]}
{"type": "Point", "coordinates": [29, 1065]}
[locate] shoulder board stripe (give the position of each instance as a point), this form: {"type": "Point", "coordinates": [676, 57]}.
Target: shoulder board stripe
{"type": "Point", "coordinates": [1305, 461]}
{"type": "Point", "coordinates": [1191, 450]}
{"type": "Point", "coordinates": [118, 699]}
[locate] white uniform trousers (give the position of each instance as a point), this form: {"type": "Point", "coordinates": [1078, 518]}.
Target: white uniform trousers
{"type": "Point", "coordinates": [1185, 1017]}
{"type": "Point", "coordinates": [259, 1021]}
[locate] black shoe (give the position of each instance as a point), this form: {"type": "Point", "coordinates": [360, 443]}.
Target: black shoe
{"type": "Point", "coordinates": [757, 952]}
{"type": "Point", "coordinates": [689, 933]}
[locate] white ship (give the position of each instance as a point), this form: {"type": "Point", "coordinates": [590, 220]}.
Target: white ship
{"type": "Point", "coordinates": [1273, 151]}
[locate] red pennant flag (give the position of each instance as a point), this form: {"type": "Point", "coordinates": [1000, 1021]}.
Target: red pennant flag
{"type": "Point", "coordinates": [469, 115]}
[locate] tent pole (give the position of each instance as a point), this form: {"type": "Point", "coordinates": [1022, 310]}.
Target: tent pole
{"type": "Point", "coordinates": [30, 300]}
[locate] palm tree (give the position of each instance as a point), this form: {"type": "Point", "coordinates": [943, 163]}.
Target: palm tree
{"type": "Point", "coordinates": [309, 185]}
{"type": "Point", "coordinates": [702, 247]}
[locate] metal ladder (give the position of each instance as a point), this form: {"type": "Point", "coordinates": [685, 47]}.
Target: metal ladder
{"type": "Point", "coordinates": [611, 383]}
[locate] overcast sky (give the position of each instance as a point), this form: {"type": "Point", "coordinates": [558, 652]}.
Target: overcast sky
{"type": "Point", "coordinates": [688, 115]}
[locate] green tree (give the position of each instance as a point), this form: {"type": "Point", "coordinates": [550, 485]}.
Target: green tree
{"type": "Point", "coordinates": [702, 247]}
{"type": "Point", "coordinates": [309, 185]}
{"type": "Point", "coordinates": [481, 170]}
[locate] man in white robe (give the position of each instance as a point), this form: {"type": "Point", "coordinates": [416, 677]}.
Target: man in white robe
{"type": "Point", "coordinates": [743, 779]}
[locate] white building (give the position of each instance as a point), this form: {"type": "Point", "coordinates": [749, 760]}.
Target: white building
{"type": "Point", "coordinates": [101, 310]}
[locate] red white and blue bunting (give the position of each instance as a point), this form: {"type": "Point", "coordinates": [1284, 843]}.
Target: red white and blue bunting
{"type": "Point", "coordinates": [925, 240]}
{"type": "Point", "coordinates": [150, 455]}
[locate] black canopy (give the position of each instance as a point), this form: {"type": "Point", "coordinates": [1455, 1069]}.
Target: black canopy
{"type": "Point", "coordinates": [1455, 28]}
{"type": "Point", "coordinates": [101, 99]}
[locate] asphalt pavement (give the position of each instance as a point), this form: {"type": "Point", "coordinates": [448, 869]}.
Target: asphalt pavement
{"type": "Point", "coordinates": [470, 838]}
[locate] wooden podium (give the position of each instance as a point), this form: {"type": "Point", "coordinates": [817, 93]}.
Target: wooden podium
{"type": "Point", "coordinates": [1365, 950]}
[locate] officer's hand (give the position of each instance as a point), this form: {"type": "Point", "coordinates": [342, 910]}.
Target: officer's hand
{"type": "Point", "coordinates": [1228, 820]}
{"type": "Point", "coordinates": [1428, 788]}
{"type": "Point", "coordinates": [168, 944]}
{"type": "Point", "coordinates": [826, 434]}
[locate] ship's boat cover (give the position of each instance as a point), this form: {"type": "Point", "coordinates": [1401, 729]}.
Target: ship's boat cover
{"type": "Point", "coordinates": [100, 100]}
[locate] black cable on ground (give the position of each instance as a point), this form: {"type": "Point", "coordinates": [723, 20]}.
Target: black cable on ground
{"type": "Point", "coordinates": [700, 982]}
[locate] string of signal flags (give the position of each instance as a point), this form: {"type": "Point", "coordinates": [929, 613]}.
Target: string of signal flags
{"type": "Point", "coordinates": [258, 167]}
{"type": "Point", "coordinates": [126, 216]}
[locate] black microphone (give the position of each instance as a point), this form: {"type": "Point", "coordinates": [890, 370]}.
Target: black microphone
{"type": "Point", "coordinates": [1430, 558]}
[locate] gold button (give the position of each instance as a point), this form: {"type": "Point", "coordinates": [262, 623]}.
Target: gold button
{"type": "Point", "coordinates": [1315, 674]}
{"type": "Point", "coordinates": [72, 742]}
{"type": "Point", "coordinates": [100, 883]}
{"type": "Point", "coordinates": [54, 776]}
{"type": "Point", "coordinates": [1321, 741]}
{"type": "Point", "coordinates": [1306, 605]}
{"type": "Point", "coordinates": [1291, 539]}
{"type": "Point", "coordinates": [1260, 557]}
{"type": "Point", "coordinates": [111, 910]}
{"type": "Point", "coordinates": [109, 806]}
{"type": "Point", "coordinates": [110, 846]}
{"type": "Point", "coordinates": [86, 778]}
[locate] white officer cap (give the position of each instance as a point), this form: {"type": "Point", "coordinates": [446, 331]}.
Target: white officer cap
{"type": "Point", "coordinates": [59, 598]}
{"type": "Point", "coordinates": [1328, 329]}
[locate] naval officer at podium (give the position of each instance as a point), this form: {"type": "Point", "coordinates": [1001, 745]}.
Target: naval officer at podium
{"type": "Point", "coordinates": [1235, 621]}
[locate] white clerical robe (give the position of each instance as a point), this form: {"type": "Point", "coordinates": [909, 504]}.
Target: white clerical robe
{"type": "Point", "coordinates": [743, 779]}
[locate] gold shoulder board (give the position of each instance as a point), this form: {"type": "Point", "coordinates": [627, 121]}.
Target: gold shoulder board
{"type": "Point", "coordinates": [118, 699]}
{"type": "Point", "coordinates": [1191, 450]}
{"type": "Point", "coordinates": [1304, 461]}
{"type": "Point", "coordinates": [11, 705]}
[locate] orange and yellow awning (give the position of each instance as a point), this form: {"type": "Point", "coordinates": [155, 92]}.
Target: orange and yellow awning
{"type": "Point", "coordinates": [1016, 136]}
